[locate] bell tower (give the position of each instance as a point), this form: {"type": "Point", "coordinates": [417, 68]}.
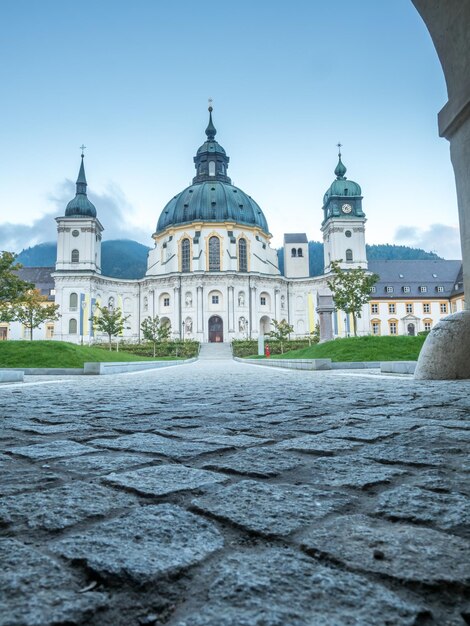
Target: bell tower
{"type": "Point", "coordinates": [79, 232]}
{"type": "Point", "coordinates": [343, 225]}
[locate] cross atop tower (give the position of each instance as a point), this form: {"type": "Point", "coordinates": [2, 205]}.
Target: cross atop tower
{"type": "Point", "coordinates": [339, 145]}
{"type": "Point", "coordinates": [210, 104]}
{"type": "Point", "coordinates": [82, 148]}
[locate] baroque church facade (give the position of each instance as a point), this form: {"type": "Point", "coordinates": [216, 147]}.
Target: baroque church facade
{"type": "Point", "coordinates": [212, 274]}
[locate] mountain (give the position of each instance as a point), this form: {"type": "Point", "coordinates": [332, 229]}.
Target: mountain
{"type": "Point", "coordinates": [384, 251]}
{"type": "Point", "coordinates": [124, 258]}
{"type": "Point", "coordinates": [120, 258]}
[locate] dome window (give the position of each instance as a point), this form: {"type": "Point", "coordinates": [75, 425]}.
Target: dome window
{"type": "Point", "coordinates": [300, 252]}
{"type": "Point", "coordinates": [211, 168]}
{"type": "Point", "coordinates": [186, 255]}
{"type": "Point", "coordinates": [214, 254]}
{"type": "Point", "coordinates": [75, 257]}
{"type": "Point", "coordinates": [242, 256]}
{"type": "Point", "coordinates": [73, 302]}
{"type": "Point", "coordinates": [293, 252]}
{"type": "Point", "coordinates": [348, 233]}
{"type": "Point", "coordinates": [73, 326]}
{"type": "Point", "coordinates": [349, 255]}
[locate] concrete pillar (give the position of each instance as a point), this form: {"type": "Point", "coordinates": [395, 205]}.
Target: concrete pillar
{"type": "Point", "coordinates": [448, 23]}
{"type": "Point", "coordinates": [254, 310]}
{"type": "Point", "coordinates": [325, 308]}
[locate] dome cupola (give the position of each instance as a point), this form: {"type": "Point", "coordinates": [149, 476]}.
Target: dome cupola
{"type": "Point", "coordinates": [80, 206]}
{"type": "Point", "coordinates": [343, 197]}
{"type": "Point", "coordinates": [212, 197]}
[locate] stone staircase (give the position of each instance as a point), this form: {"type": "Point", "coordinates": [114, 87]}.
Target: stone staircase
{"type": "Point", "coordinates": [215, 351]}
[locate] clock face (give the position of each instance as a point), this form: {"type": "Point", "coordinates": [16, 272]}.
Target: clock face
{"type": "Point", "coordinates": [346, 208]}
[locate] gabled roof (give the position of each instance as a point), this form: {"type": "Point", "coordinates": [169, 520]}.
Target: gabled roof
{"type": "Point", "coordinates": [429, 273]}
{"type": "Point", "coordinates": [295, 238]}
{"type": "Point", "coordinates": [41, 277]}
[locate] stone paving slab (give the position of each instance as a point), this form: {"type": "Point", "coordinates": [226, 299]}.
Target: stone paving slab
{"type": "Point", "coordinates": [37, 591]}
{"type": "Point", "coordinates": [102, 463]}
{"type": "Point", "coordinates": [149, 543]}
{"type": "Point", "coordinates": [51, 450]}
{"type": "Point", "coordinates": [280, 587]}
{"type": "Point", "coordinates": [361, 433]}
{"type": "Point", "coordinates": [402, 455]}
{"type": "Point", "coordinates": [316, 444]}
{"type": "Point", "coordinates": [164, 479]}
{"type": "Point", "coordinates": [351, 471]}
{"type": "Point", "coordinates": [400, 551]}
{"type": "Point", "coordinates": [443, 510]}
{"type": "Point", "coordinates": [173, 448]}
{"type": "Point", "coordinates": [258, 462]}
{"type": "Point", "coordinates": [271, 510]}
{"type": "Point", "coordinates": [15, 477]}
{"type": "Point", "coordinates": [60, 507]}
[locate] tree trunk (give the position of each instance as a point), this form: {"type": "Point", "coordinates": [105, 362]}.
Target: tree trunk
{"type": "Point", "coordinates": [110, 343]}
{"type": "Point", "coordinates": [354, 324]}
{"type": "Point", "coordinates": [154, 349]}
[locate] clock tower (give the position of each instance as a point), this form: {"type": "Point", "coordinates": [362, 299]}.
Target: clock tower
{"type": "Point", "coordinates": [343, 225]}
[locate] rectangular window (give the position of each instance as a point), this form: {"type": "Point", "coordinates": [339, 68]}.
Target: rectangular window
{"type": "Point", "coordinates": [215, 299]}
{"type": "Point", "coordinates": [440, 289]}
{"type": "Point", "coordinates": [453, 306]}
{"type": "Point", "coordinates": [423, 289]}
{"type": "Point", "coordinates": [389, 289]}
{"type": "Point", "coordinates": [374, 308]}
{"type": "Point", "coordinates": [443, 307]}
{"type": "Point", "coordinates": [406, 289]}
{"type": "Point", "coordinates": [373, 289]}
{"type": "Point", "coordinates": [426, 307]}
{"type": "Point", "coordinates": [263, 301]}
{"type": "Point", "coordinates": [393, 328]}
{"type": "Point", "coordinates": [427, 325]}
{"type": "Point", "coordinates": [376, 328]}
{"type": "Point", "coordinates": [166, 301]}
{"type": "Point", "coordinates": [409, 308]}
{"type": "Point", "coordinates": [392, 308]}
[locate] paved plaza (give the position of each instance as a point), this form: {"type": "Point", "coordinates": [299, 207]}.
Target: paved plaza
{"type": "Point", "coordinates": [226, 494]}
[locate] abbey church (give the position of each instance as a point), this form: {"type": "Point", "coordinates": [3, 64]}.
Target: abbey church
{"type": "Point", "coordinates": [213, 276]}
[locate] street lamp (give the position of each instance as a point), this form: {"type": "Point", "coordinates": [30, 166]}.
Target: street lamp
{"type": "Point", "coordinates": [182, 330]}
{"type": "Point", "coordinates": [83, 305]}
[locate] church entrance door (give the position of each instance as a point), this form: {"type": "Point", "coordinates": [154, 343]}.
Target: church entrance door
{"type": "Point", "coordinates": [411, 330]}
{"type": "Point", "coordinates": [216, 329]}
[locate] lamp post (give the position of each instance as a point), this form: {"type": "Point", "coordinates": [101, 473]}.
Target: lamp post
{"type": "Point", "coordinates": [182, 330]}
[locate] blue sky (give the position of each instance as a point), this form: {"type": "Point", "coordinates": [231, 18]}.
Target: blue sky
{"type": "Point", "coordinates": [289, 80]}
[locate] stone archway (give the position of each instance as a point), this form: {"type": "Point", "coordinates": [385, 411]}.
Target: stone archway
{"type": "Point", "coordinates": [448, 24]}
{"type": "Point", "coordinates": [216, 329]}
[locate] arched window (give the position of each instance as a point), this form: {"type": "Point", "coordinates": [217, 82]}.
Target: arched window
{"type": "Point", "coordinates": [214, 254]}
{"type": "Point", "coordinates": [300, 252]}
{"type": "Point", "coordinates": [186, 255]}
{"type": "Point", "coordinates": [211, 168]}
{"type": "Point", "coordinates": [75, 256]}
{"type": "Point", "coordinates": [349, 255]}
{"type": "Point", "coordinates": [111, 302]}
{"type": "Point", "coordinates": [73, 326]}
{"type": "Point", "coordinates": [146, 304]}
{"type": "Point", "coordinates": [242, 257]}
{"type": "Point", "coordinates": [73, 302]}
{"type": "Point", "coordinates": [293, 252]}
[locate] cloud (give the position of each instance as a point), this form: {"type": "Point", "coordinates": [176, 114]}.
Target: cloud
{"type": "Point", "coordinates": [112, 207]}
{"type": "Point", "coordinates": [440, 238]}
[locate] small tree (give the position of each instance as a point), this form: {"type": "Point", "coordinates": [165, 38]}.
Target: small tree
{"type": "Point", "coordinates": [12, 288]}
{"type": "Point", "coordinates": [314, 335]}
{"type": "Point", "coordinates": [351, 290]}
{"type": "Point", "coordinates": [281, 331]}
{"type": "Point", "coordinates": [33, 310]}
{"type": "Point", "coordinates": [155, 331]}
{"type": "Point", "coordinates": [109, 321]}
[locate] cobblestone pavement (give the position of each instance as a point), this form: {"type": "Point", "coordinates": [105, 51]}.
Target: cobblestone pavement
{"type": "Point", "coordinates": [226, 494]}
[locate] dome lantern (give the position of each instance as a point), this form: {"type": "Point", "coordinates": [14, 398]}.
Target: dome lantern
{"type": "Point", "coordinates": [211, 161]}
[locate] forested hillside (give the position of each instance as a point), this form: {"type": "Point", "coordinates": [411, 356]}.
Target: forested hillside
{"type": "Point", "coordinates": [124, 258]}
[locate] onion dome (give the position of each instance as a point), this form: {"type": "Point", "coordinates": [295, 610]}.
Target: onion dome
{"type": "Point", "coordinates": [80, 206]}
{"type": "Point", "coordinates": [341, 186]}
{"type": "Point", "coordinates": [212, 197]}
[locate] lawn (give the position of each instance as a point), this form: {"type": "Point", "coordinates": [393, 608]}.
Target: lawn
{"type": "Point", "coordinates": [57, 354]}
{"type": "Point", "coordinates": [401, 348]}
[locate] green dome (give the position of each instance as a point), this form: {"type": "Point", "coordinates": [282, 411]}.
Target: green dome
{"type": "Point", "coordinates": [342, 187]}
{"type": "Point", "coordinates": [80, 206]}
{"type": "Point", "coordinates": [215, 201]}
